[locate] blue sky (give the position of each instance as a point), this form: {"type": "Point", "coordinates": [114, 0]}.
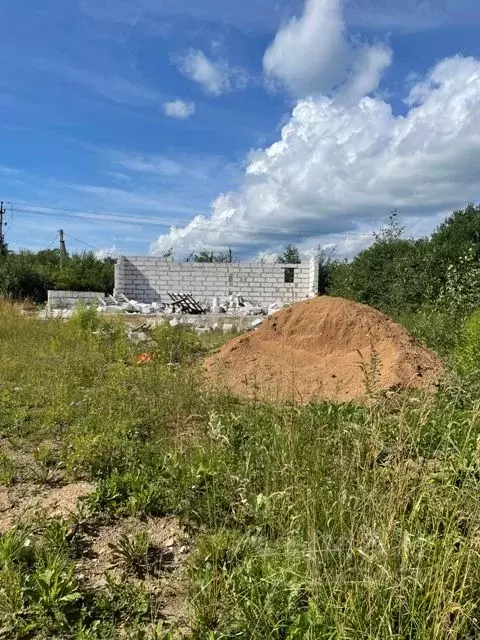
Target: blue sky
{"type": "Point", "coordinates": [121, 118]}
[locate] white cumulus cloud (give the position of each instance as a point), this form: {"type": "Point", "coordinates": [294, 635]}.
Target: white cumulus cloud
{"type": "Point", "coordinates": [106, 252]}
{"type": "Point", "coordinates": [340, 166]}
{"type": "Point", "coordinates": [312, 54]}
{"type": "Point", "coordinates": [216, 77]}
{"type": "Point", "coordinates": [179, 109]}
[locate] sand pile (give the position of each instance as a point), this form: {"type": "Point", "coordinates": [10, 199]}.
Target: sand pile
{"type": "Point", "coordinates": [315, 350]}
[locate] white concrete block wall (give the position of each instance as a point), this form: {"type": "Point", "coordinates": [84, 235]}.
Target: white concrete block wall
{"type": "Point", "coordinates": [313, 277]}
{"type": "Point", "coordinates": [69, 299]}
{"type": "Point", "coordinates": [151, 279]}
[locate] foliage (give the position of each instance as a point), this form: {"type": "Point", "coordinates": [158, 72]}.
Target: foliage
{"type": "Point", "coordinates": [434, 326]}
{"type": "Point", "coordinates": [325, 263]}
{"type": "Point", "coordinates": [86, 318]}
{"type": "Point", "coordinates": [53, 588]}
{"type": "Point", "coordinates": [7, 470]}
{"type": "Point", "coordinates": [85, 272]}
{"type": "Point", "coordinates": [290, 255]}
{"type": "Point", "coordinates": [461, 291]}
{"type": "Point", "coordinates": [29, 275]}
{"type": "Point", "coordinates": [132, 550]}
{"type": "Point", "coordinates": [467, 352]}
{"type": "Point", "coordinates": [176, 345]}
{"type": "Point", "coordinates": [401, 275]}
{"type": "Point", "coordinates": [459, 233]}
{"type": "Point", "coordinates": [210, 256]}
{"type": "Point", "coordinates": [317, 521]}
{"type": "Point", "coordinates": [21, 277]}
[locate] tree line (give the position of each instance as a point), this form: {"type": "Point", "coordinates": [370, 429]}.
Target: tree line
{"type": "Point", "coordinates": [401, 275]}
{"type": "Point", "coordinates": [395, 274]}
{"type": "Point", "coordinates": [29, 275]}
{"type": "Point", "coordinates": [398, 274]}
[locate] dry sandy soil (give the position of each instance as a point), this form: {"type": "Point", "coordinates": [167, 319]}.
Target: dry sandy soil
{"type": "Point", "coordinates": [327, 349]}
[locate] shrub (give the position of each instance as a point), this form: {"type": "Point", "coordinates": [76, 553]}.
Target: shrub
{"type": "Point", "coordinates": [29, 275]}
{"type": "Point", "coordinates": [86, 318]}
{"type": "Point", "coordinates": [176, 345]}
{"type": "Point", "coordinates": [467, 353]}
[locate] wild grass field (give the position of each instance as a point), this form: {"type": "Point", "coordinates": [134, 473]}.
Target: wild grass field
{"type": "Point", "coordinates": [137, 503]}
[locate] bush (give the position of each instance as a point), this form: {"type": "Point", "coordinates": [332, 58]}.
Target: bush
{"type": "Point", "coordinates": [467, 353]}
{"type": "Point", "coordinates": [176, 345]}
{"type": "Point", "coordinates": [86, 318]}
{"type": "Point", "coordinates": [20, 278]}
{"type": "Point", "coordinates": [28, 275]}
{"type": "Point", "coordinates": [399, 275]}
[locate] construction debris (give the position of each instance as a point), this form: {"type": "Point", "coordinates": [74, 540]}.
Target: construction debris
{"type": "Point", "coordinates": [186, 303]}
{"type": "Point", "coordinates": [183, 309]}
{"type": "Point", "coordinates": [256, 323]}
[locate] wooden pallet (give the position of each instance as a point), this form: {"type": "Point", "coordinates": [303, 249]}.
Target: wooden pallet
{"type": "Point", "coordinates": [186, 303]}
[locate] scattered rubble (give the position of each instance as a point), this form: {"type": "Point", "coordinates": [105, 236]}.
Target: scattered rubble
{"type": "Point", "coordinates": [256, 323]}
{"type": "Point", "coordinates": [181, 303]}
{"type": "Point", "coordinates": [182, 309]}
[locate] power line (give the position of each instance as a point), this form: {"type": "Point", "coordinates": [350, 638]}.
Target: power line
{"type": "Point", "coordinates": [53, 241]}
{"type": "Point", "coordinates": [99, 216]}
{"type": "Point", "coordinates": [90, 246]}
{"type": "Point", "coordinates": [96, 216]}
{"type": "Point", "coordinates": [10, 220]}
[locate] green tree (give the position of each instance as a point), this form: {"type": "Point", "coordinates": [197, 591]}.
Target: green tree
{"type": "Point", "coordinates": [290, 255]}
{"type": "Point", "coordinates": [325, 268]}
{"type": "Point", "coordinates": [392, 231]}
{"type": "Point", "coordinates": [457, 237]}
{"type": "Point", "coordinates": [210, 256]}
{"type": "Point", "coordinates": [30, 275]}
{"type": "Point", "coordinates": [389, 275]}
{"type": "Point", "coordinates": [85, 272]}
{"type": "Point", "coordinates": [22, 278]}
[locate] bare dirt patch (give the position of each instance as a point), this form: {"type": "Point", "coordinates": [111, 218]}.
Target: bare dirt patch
{"type": "Point", "coordinates": [324, 348]}
{"type": "Point", "coordinates": [164, 574]}
{"type": "Point", "coordinates": [31, 501]}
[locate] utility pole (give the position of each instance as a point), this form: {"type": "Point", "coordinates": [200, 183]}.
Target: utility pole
{"type": "Point", "coordinates": [63, 248]}
{"type": "Point", "coordinates": [2, 224]}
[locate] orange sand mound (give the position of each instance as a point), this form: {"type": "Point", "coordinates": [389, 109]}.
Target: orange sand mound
{"type": "Point", "coordinates": [315, 350]}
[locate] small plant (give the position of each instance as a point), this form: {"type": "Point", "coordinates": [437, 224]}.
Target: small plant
{"type": "Point", "coordinates": [53, 589]}
{"type": "Point", "coordinates": [11, 595]}
{"type": "Point", "coordinates": [371, 372]}
{"type": "Point", "coordinates": [176, 345]}
{"type": "Point", "coordinates": [132, 550]}
{"type": "Point", "coordinates": [45, 457]}
{"type": "Point", "coordinates": [82, 519]}
{"type": "Point", "coordinates": [55, 540]}
{"type": "Point", "coordinates": [123, 600]}
{"type": "Point", "coordinates": [15, 547]}
{"type": "Point", "coordinates": [86, 318]}
{"type": "Point", "coordinates": [7, 470]}
{"type": "Point", "coordinates": [467, 353]}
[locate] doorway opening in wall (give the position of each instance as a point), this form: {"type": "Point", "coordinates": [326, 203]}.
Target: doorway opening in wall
{"type": "Point", "coordinates": [289, 275]}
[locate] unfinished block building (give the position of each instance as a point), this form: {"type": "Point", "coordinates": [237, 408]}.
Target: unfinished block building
{"type": "Point", "coordinates": [149, 279]}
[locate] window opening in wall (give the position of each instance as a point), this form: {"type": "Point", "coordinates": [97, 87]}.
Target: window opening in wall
{"type": "Point", "coordinates": [289, 275]}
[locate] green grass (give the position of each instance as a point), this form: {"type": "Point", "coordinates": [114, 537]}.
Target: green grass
{"type": "Point", "coordinates": [318, 521]}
